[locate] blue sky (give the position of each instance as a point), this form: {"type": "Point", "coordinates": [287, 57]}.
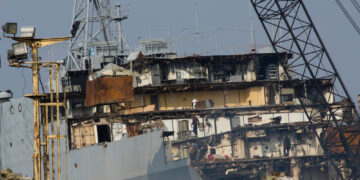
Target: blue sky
{"type": "Point", "coordinates": [223, 24]}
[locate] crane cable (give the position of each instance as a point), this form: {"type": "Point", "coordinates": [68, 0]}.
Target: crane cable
{"type": "Point", "coordinates": [353, 23]}
{"type": "Point", "coordinates": [356, 4]}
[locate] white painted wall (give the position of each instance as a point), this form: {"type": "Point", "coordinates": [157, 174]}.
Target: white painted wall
{"type": "Point", "coordinates": [223, 125]}
{"type": "Point", "coordinates": [272, 146]}
{"type": "Point", "coordinates": [118, 131]}
{"type": "Point", "coordinates": [292, 117]}
{"type": "Point", "coordinates": [144, 77]}
{"type": "Point", "coordinates": [187, 71]}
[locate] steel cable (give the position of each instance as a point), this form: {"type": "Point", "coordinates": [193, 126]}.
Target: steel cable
{"type": "Point", "coordinates": [346, 13]}
{"type": "Point", "coordinates": [356, 4]}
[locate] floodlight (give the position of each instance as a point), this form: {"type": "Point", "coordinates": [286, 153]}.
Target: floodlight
{"type": "Point", "coordinates": [10, 54]}
{"type": "Point", "coordinates": [10, 28]}
{"type": "Point", "coordinates": [11, 57]}
{"type": "Point", "coordinates": [27, 31]}
{"type": "Point", "coordinates": [19, 49]}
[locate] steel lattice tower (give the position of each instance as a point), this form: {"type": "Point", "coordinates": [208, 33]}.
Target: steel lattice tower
{"type": "Point", "coordinates": [94, 21]}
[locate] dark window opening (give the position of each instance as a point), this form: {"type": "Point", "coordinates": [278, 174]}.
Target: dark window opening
{"type": "Point", "coordinates": [272, 94]}
{"type": "Point", "coordinates": [267, 70]}
{"type": "Point", "coordinates": [87, 64]}
{"type": "Point", "coordinates": [154, 99]}
{"type": "Point", "coordinates": [103, 132]}
{"type": "Point", "coordinates": [280, 168]}
{"type": "Point", "coordinates": [62, 111]}
{"type": "Point", "coordinates": [220, 77]}
{"type": "Point", "coordinates": [287, 97]}
{"type": "Point", "coordinates": [299, 91]}
{"type": "Point", "coordinates": [76, 104]}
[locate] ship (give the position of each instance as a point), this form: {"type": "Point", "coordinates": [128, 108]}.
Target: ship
{"type": "Point", "coordinates": [151, 114]}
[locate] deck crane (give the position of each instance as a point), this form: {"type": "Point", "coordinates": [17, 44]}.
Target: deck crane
{"type": "Point", "coordinates": [312, 62]}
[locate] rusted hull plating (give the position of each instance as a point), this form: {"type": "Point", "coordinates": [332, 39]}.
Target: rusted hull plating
{"type": "Point", "coordinates": [109, 90]}
{"type": "Point", "coordinates": [352, 134]}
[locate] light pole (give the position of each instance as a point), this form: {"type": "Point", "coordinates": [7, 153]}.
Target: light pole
{"type": "Point", "coordinates": [16, 59]}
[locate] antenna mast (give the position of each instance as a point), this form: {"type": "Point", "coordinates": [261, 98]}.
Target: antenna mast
{"type": "Point", "coordinates": [96, 32]}
{"type": "Point", "coordinates": [253, 45]}
{"type": "Point", "coordinates": [197, 26]}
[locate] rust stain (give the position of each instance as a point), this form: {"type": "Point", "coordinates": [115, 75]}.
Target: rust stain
{"type": "Point", "coordinates": [109, 90]}
{"type": "Point", "coordinates": [352, 134]}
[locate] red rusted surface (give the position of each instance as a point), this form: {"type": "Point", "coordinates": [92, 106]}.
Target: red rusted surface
{"type": "Point", "coordinates": [109, 90]}
{"type": "Point", "coordinates": [352, 134]}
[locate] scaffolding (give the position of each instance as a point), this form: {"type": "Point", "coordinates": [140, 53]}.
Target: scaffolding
{"type": "Point", "coordinates": [41, 110]}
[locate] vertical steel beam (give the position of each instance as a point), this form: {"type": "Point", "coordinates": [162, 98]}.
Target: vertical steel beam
{"type": "Point", "coordinates": [34, 44]}
{"type": "Point", "coordinates": [52, 123]}
{"type": "Point", "coordinates": [47, 142]}
{"type": "Point", "coordinates": [44, 142]}
{"type": "Point", "coordinates": [86, 41]}
{"type": "Point", "coordinates": [36, 156]}
{"type": "Point", "coordinates": [57, 68]}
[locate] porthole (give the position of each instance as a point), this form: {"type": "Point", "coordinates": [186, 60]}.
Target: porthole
{"type": "Point", "coordinates": [11, 109]}
{"type": "Point", "coordinates": [20, 108]}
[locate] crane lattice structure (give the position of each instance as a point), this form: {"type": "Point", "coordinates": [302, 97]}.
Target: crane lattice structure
{"type": "Point", "coordinates": [295, 33]}
{"type": "Point", "coordinates": [94, 23]}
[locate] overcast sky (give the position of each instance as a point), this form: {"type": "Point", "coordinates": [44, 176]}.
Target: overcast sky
{"type": "Point", "coordinates": [223, 25]}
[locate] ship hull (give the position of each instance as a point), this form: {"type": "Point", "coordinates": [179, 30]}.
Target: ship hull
{"type": "Point", "coordinates": [137, 158]}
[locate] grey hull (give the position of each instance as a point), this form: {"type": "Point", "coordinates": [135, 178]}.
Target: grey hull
{"type": "Point", "coordinates": [138, 158]}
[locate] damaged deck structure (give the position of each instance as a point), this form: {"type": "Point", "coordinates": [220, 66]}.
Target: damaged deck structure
{"type": "Point", "coordinates": [234, 116]}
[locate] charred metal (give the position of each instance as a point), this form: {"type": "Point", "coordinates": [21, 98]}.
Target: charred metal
{"type": "Point", "coordinates": [235, 117]}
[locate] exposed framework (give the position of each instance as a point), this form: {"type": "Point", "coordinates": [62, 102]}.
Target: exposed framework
{"type": "Point", "coordinates": [93, 21]}
{"type": "Point", "coordinates": [294, 32]}
{"type": "Point", "coordinates": [42, 143]}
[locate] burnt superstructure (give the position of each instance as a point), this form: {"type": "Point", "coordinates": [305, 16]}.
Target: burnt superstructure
{"type": "Point", "coordinates": [280, 112]}
{"type": "Point", "coordinates": [234, 116]}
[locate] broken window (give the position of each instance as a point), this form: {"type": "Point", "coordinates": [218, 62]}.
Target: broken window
{"type": "Point", "coordinates": [103, 132]}
{"type": "Point", "coordinates": [183, 129]}
{"type": "Point", "coordinates": [299, 91]}
{"type": "Point", "coordinates": [267, 69]}
{"type": "Point", "coordinates": [287, 97]}
{"type": "Point", "coordinates": [219, 77]}
{"type": "Point", "coordinates": [183, 125]}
